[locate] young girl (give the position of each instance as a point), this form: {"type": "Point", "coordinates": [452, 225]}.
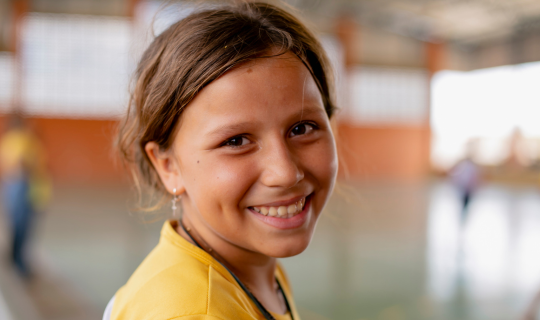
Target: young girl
{"type": "Point", "coordinates": [230, 117]}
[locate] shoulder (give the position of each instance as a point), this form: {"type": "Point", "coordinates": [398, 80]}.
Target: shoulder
{"type": "Point", "coordinates": [183, 292]}
{"type": "Point", "coordinates": [180, 281]}
{"type": "Point", "coordinates": [177, 290]}
{"type": "Point", "coordinates": [198, 317]}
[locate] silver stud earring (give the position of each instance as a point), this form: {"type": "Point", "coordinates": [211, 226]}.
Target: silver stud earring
{"type": "Point", "coordinates": [174, 201]}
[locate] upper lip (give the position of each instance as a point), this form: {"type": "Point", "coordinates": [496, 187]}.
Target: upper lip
{"type": "Point", "coordinates": [283, 202]}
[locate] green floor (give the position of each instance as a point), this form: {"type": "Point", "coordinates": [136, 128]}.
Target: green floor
{"type": "Point", "coordinates": [380, 252]}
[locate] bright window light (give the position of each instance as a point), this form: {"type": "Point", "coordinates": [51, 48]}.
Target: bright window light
{"type": "Point", "coordinates": [486, 104]}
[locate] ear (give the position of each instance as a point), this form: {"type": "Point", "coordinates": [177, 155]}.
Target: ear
{"type": "Point", "coordinates": [167, 168]}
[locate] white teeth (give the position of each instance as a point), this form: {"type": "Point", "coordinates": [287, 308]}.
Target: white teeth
{"type": "Point", "coordinates": [291, 209]}
{"type": "Point", "coordinates": [282, 211]}
{"type": "Point", "coordinates": [290, 215]}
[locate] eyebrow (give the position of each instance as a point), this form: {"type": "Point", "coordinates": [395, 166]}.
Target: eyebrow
{"type": "Point", "coordinates": [226, 130]}
{"type": "Point", "coordinates": [310, 110]}
{"type": "Point", "coordinates": [237, 128]}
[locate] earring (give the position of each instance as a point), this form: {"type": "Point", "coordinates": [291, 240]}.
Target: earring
{"type": "Point", "coordinates": [174, 201]}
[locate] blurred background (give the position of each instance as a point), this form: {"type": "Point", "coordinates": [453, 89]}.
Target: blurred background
{"type": "Point", "coordinates": [437, 211]}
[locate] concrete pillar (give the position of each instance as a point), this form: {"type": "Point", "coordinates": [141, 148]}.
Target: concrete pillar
{"type": "Point", "coordinates": [347, 32]}
{"type": "Point", "coordinates": [383, 151]}
{"type": "Point", "coordinates": [436, 60]}
{"type": "Point", "coordinates": [131, 7]}
{"type": "Point", "coordinates": [435, 57]}
{"type": "Point", "coordinates": [20, 8]}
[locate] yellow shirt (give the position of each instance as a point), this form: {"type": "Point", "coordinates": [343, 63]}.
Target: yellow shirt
{"type": "Point", "coordinates": [178, 280]}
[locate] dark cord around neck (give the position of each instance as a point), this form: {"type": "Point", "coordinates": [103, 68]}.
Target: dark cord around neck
{"type": "Point", "coordinates": [267, 315]}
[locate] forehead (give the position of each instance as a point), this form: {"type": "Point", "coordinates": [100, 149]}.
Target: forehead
{"type": "Point", "coordinates": [267, 87]}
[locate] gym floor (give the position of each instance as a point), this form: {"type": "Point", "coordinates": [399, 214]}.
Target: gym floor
{"type": "Point", "coordinates": [381, 251]}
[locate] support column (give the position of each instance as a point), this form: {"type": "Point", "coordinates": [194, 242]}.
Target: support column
{"type": "Point", "coordinates": [346, 30]}
{"type": "Point", "coordinates": [131, 7]}
{"type": "Point", "coordinates": [435, 57]}
{"type": "Point", "coordinates": [435, 61]}
{"type": "Point", "coordinates": [20, 8]}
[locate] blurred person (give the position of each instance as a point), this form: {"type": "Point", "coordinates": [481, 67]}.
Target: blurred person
{"type": "Point", "coordinates": [533, 311]}
{"type": "Point", "coordinates": [25, 185]}
{"type": "Point", "coordinates": [230, 117]}
{"type": "Point", "coordinates": [517, 153]}
{"type": "Point", "coordinates": [465, 176]}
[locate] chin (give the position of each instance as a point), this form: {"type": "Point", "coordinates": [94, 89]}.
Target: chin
{"type": "Point", "coordinates": [289, 248]}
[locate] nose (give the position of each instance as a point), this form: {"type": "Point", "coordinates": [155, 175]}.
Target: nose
{"type": "Point", "coordinates": [280, 166]}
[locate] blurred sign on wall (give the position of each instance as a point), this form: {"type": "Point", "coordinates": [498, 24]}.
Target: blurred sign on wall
{"type": "Point", "coordinates": [75, 65]}
{"type": "Point", "coordinates": [383, 96]}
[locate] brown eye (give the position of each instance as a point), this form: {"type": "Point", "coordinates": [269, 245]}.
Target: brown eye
{"type": "Point", "coordinates": [236, 141]}
{"type": "Point", "coordinates": [302, 128]}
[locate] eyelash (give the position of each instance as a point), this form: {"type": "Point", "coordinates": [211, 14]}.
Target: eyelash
{"type": "Point", "coordinates": [227, 142]}
{"type": "Point", "coordinates": [311, 124]}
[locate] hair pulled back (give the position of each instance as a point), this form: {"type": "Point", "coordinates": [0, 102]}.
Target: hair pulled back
{"type": "Point", "coordinates": [195, 51]}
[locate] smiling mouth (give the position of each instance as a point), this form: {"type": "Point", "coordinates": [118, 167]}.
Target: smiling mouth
{"type": "Point", "coordinates": [283, 212]}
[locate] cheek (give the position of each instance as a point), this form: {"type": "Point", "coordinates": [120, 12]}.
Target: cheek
{"type": "Point", "coordinates": [220, 182]}
{"type": "Point", "coordinates": [321, 162]}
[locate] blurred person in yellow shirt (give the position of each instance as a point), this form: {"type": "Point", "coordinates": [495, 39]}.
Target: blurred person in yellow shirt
{"type": "Point", "coordinates": [25, 184]}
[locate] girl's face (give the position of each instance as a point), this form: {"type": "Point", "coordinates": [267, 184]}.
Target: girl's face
{"type": "Point", "coordinates": [256, 157]}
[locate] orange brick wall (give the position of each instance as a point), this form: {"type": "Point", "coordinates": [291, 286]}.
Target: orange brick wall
{"type": "Point", "coordinates": [78, 151]}
{"type": "Point", "coordinates": [81, 151]}
{"type": "Point", "coordinates": [383, 152]}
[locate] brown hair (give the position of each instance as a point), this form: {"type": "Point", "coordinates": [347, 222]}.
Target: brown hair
{"type": "Point", "coordinates": [195, 51]}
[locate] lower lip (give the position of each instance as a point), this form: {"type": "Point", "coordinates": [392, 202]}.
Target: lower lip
{"type": "Point", "coordinates": [288, 223]}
